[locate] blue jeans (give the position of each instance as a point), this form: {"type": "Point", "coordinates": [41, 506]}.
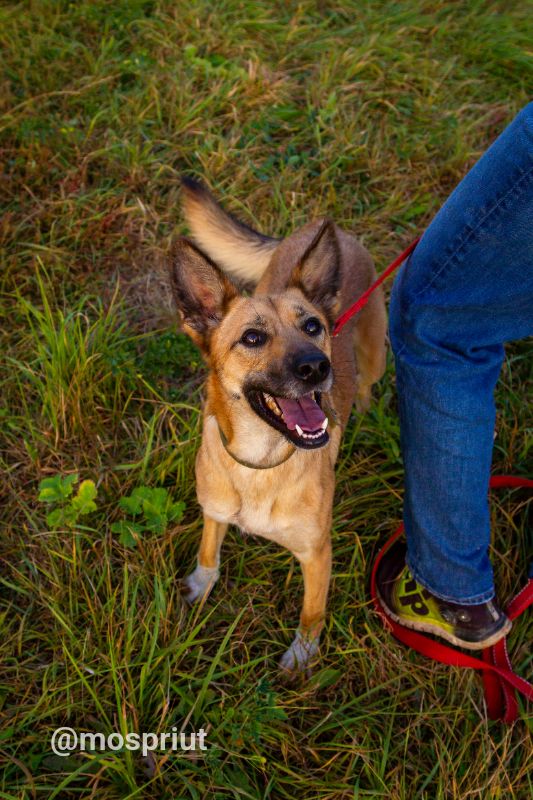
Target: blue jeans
{"type": "Point", "coordinates": [466, 289]}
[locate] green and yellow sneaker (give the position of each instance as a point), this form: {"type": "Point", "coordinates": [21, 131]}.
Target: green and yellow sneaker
{"type": "Point", "coordinates": [408, 603]}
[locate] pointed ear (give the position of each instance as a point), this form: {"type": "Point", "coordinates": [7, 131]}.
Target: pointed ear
{"type": "Point", "coordinates": [318, 271]}
{"type": "Point", "coordinates": [201, 291]}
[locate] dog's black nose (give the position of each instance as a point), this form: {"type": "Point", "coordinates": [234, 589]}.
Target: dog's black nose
{"type": "Point", "coordinates": [312, 367]}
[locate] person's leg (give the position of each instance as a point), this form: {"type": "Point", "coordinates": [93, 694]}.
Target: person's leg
{"type": "Point", "coordinates": [467, 288]}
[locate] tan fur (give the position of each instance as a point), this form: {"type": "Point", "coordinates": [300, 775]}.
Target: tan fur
{"type": "Point", "coordinates": [234, 247]}
{"type": "Point", "coordinates": [291, 503]}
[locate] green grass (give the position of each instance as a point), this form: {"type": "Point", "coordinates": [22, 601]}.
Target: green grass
{"type": "Point", "coordinates": [367, 111]}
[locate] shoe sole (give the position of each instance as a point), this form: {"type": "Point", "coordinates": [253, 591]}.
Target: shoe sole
{"type": "Point", "coordinates": [428, 627]}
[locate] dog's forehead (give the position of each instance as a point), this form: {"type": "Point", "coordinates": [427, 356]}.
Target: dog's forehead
{"type": "Point", "coordinates": [264, 310]}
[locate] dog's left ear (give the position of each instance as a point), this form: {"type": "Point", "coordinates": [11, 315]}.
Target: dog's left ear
{"type": "Point", "coordinates": [317, 273]}
{"type": "Point", "coordinates": [201, 291]}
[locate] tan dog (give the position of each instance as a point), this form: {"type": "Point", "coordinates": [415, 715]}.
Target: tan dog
{"type": "Point", "coordinates": [279, 390]}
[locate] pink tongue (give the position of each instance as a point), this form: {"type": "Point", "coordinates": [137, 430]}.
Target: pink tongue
{"type": "Point", "coordinates": [303, 412]}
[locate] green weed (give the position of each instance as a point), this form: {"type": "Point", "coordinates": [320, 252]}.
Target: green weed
{"type": "Point", "coordinates": [58, 491]}
{"type": "Point", "coordinates": [153, 510]}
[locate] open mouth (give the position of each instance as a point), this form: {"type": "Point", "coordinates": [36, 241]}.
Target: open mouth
{"type": "Point", "coordinates": [301, 421]}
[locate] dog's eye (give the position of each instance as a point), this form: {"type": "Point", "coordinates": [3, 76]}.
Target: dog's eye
{"type": "Point", "coordinates": [253, 338]}
{"type": "Point", "coordinates": [312, 326]}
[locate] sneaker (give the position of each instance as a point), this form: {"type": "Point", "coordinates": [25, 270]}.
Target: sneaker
{"type": "Point", "coordinates": [408, 603]}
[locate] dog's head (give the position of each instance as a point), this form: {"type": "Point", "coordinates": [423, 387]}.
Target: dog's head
{"type": "Point", "coordinates": [270, 351]}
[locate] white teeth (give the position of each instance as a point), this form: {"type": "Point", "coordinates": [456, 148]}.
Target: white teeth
{"type": "Point", "coordinates": [300, 432]}
{"type": "Point", "coordinates": [324, 424]}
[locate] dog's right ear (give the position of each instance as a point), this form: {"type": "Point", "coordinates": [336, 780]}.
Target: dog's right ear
{"type": "Point", "coordinates": [201, 291]}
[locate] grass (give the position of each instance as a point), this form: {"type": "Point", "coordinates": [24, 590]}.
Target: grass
{"type": "Point", "coordinates": [370, 112]}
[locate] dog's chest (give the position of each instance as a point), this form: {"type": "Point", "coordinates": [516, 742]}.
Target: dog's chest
{"type": "Point", "coordinates": [261, 512]}
{"type": "Point", "coordinates": [257, 502]}
{"type": "Point", "coordinates": [289, 504]}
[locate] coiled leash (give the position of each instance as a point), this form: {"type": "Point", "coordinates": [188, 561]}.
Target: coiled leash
{"type": "Point", "coordinates": [501, 684]}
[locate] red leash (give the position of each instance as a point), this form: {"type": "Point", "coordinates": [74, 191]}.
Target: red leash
{"type": "Point", "coordinates": [363, 300]}
{"type": "Point", "coordinates": [501, 684]}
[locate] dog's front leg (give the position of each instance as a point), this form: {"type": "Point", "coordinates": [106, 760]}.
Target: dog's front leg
{"type": "Point", "coordinates": [200, 582]}
{"type": "Point", "coordinates": [316, 573]}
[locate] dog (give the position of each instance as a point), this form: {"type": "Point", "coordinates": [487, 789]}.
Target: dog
{"type": "Point", "coordinates": [279, 389]}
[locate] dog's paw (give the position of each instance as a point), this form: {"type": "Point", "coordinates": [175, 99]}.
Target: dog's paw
{"type": "Point", "coordinates": [199, 583]}
{"type": "Point", "coordinates": [300, 654]}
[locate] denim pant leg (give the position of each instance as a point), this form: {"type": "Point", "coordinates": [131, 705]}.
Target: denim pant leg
{"type": "Point", "coordinates": [466, 289]}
